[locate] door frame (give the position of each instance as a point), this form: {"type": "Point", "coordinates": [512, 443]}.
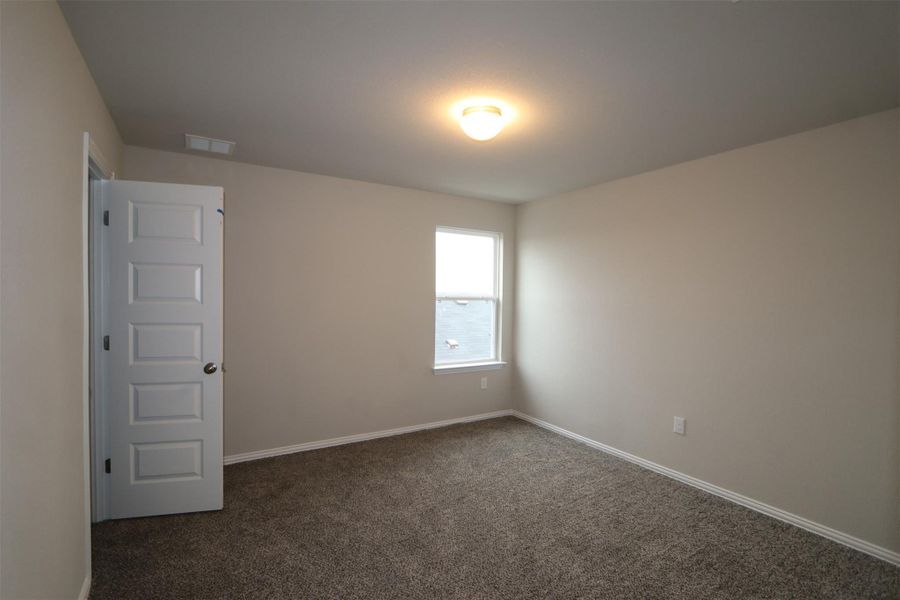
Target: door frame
{"type": "Point", "coordinates": [95, 167]}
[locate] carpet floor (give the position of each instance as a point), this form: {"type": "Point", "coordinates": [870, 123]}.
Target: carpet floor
{"type": "Point", "coordinates": [489, 510]}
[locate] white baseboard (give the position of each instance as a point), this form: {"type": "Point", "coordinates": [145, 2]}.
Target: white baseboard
{"type": "Point", "coordinates": [85, 588]}
{"type": "Point", "coordinates": [360, 437]}
{"type": "Point", "coordinates": [776, 513]}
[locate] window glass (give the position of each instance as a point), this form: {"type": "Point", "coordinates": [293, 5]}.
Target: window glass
{"type": "Point", "coordinates": [464, 330]}
{"type": "Point", "coordinates": [465, 264]}
{"type": "Point", "coordinates": [466, 310]}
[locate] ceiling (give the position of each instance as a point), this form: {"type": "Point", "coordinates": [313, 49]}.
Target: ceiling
{"type": "Point", "coordinates": [602, 90]}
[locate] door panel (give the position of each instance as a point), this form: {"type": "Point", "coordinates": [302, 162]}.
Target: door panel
{"type": "Point", "coordinates": [166, 283]}
{"type": "Point", "coordinates": [160, 402]}
{"type": "Point", "coordinates": [164, 320]}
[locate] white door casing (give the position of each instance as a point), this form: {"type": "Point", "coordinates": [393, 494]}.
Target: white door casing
{"type": "Point", "coordinates": [163, 248]}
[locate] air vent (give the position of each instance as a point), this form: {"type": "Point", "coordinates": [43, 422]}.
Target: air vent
{"type": "Point", "coordinates": [205, 144]}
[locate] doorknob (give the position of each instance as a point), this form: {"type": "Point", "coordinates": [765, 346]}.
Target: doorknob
{"type": "Point", "coordinates": [210, 368]}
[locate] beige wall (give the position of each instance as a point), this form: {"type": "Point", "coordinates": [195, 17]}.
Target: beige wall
{"type": "Point", "coordinates": [329, 292]}
{"type": "Point", "coordinates": [753, 292]}
{"type": "Point", "coordinates": [48, 100]}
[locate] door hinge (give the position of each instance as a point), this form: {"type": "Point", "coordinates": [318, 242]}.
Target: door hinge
{"type": "Point", "coordinates": [106, 217]}
{"type": "Point", "coordinates": [108, 466]}
{"type": "Point", "coordinates": [106, 342]}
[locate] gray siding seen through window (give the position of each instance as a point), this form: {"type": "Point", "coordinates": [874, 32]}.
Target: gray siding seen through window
{"type": "Point", "coordinates": [464, 331]}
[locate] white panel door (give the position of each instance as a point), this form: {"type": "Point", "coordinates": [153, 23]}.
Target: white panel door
{"type": "Point", "coordinates": [163, 315]}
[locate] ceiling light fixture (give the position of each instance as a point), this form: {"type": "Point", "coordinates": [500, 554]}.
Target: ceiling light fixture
{"type": "Point", "coordinates": [481, 123]}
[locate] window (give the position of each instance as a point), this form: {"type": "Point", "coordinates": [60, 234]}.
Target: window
{"type": "Point", "coordinates": [467, 298]}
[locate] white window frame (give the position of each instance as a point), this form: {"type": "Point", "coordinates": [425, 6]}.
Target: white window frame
{"type": "Point", "coordinates": [478, 365]}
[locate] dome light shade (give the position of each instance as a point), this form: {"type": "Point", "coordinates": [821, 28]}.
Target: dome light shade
{"type": "Point", "coordinates": [481, 123]}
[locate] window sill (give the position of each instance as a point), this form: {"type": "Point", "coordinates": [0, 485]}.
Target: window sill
{"type": "Point", "coordinates": [484, 366]}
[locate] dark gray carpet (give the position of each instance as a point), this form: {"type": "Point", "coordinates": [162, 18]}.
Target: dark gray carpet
{"type": "Point", "coordinates": [496, 509]}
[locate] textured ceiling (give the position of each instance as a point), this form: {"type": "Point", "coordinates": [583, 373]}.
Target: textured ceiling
{"type": "Point", "coordinates": [603, 90]}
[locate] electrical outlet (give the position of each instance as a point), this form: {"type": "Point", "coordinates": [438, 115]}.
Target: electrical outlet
{"type": "Point", "coordinates": [484, 383]}
{"type": "Point", "coordinates": [678, 425]}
